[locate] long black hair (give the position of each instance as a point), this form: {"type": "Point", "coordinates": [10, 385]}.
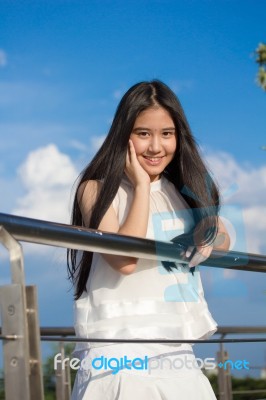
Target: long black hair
{"type": "Point", "coordinates": [186, 171]}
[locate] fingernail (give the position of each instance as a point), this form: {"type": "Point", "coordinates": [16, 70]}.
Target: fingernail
{"type": "Point", "coordinates": [188, 253]}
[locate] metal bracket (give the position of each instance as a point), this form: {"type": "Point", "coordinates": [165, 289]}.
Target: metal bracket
{"type": "Point", "coordinates": [15, 256]}
{"type": "Point", "coordinates": [19, 314]}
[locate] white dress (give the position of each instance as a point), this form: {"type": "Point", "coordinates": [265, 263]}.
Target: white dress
{"type": "Point", "coordinates": [150, 303]}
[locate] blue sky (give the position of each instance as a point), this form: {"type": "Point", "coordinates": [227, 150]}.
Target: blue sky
{"type": "Point", "coordinates": [64, 65]}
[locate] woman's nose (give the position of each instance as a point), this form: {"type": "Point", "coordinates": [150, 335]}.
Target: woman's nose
{"type": "Point", "coordinates": [155, 145]}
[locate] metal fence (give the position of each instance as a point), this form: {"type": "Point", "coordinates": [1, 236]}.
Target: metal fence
{"type": "Point", "coordinates": [21, 334]}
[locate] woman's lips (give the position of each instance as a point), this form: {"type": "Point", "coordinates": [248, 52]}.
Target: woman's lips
{"type": "Point", "coordinates": [153, 160]}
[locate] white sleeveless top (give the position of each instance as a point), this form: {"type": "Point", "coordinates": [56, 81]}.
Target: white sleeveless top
{"type": "Point", "coordinates": [150, 303]}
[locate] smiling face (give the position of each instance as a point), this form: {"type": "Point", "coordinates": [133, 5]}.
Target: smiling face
{"type": "Point", "coordinates": [154, 139]}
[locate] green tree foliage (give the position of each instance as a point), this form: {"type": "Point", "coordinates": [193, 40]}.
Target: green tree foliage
{"type": "Point", "coordinates": [261, 60]}
{"type": "Point", "coordinates": [2, 393]}
{"type": "Point", "coordinates": [49, 378]}
{"type": "Point", "coordinates": [242, 384]}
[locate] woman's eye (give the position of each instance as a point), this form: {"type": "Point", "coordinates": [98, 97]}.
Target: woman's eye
{"type": "Point", "coordinates": [168, 133]}
{"type": "Point", "coordinates": [143, 133]}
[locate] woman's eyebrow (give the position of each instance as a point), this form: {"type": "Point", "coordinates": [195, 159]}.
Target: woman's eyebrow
{"type": "Point", "coordinates": [139, 128]}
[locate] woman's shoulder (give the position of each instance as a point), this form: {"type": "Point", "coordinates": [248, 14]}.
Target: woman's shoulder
{"type": "Point", "coordinates": [91, 184]}
{"type": "Point", "coordinates": [89, 189]}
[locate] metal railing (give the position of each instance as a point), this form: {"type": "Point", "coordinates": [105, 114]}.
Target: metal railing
{"type": "Point", "coordinates": [20, 326]}
{"type": "Point", "coordinates": [62, 235]}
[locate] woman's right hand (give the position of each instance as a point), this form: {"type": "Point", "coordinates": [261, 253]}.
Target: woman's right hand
{"type": "Point", "coordinates": [134, 171]}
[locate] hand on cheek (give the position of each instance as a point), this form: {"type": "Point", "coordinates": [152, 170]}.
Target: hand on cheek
{"type": "Point", "coordinates": [133, 169]}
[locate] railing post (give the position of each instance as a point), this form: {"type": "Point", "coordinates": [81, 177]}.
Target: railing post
{"type": "Point", "coordinates": [63, 384]}
{"type": "Point", "coordinates": [16, 352]}
{"type": "Point", "coordinates": [224, 376]}
{"type": "Point", "coordinates": [22, 362]}
{"type": "Point", "coordinates": [67, 382]}
{"type": "Point", "coordinates": [36, 376]}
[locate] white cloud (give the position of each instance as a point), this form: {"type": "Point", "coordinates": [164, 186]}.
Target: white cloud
{"type": "Point", "coordinates": [255, 222]}
{"type": "Point", "coordinates": [248, 183]}
{"type": "Point", "coordinates": [48, 176]}
{"type": "Point", "coordinates": [3, 58]}
{"type": "Point", "coordinates": [96, 142]}
{"type": "Point", "coordinates": [76, 144]}
{"type": "Point", "coordinates": [243, 188]}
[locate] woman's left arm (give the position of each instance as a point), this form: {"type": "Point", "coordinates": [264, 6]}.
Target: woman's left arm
{"type": "Point", "coordinates": [222, 242]}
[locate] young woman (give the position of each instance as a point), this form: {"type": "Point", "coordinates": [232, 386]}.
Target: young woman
{"type": "Point", "coordinates": [147, 180]}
